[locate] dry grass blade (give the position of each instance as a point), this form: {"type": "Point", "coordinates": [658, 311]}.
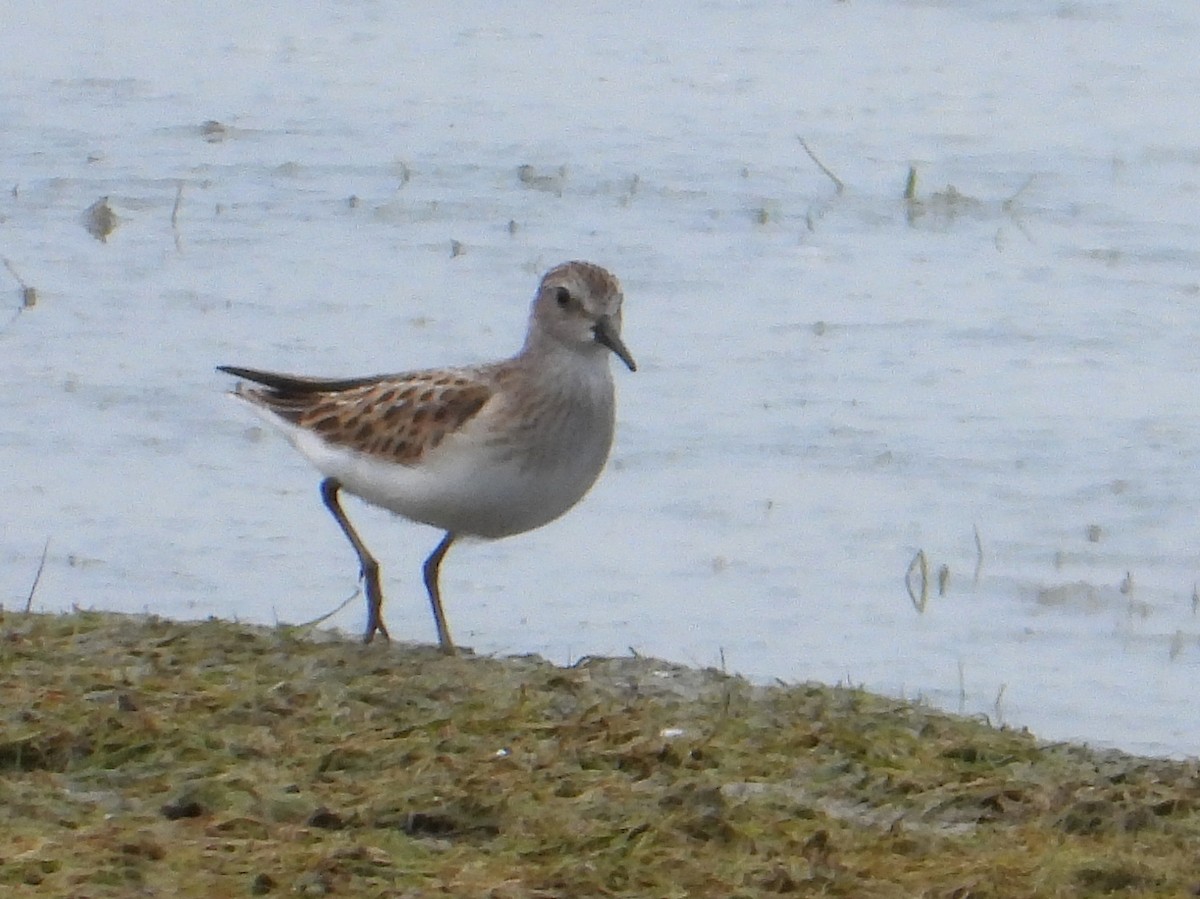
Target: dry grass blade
{"type": "Point", "coordinates": [321, 619]}
{"type": "Point", "coordinates": [37, 576]}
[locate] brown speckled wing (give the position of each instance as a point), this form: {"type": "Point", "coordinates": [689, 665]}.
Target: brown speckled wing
{"type": "Point", "coordinates": [398, 418]}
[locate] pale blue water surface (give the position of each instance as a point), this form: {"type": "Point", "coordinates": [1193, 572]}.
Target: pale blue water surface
{"type": "Point", "coordinates": [828, 382]}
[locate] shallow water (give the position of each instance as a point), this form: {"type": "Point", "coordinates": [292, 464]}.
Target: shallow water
{"type": "Point", "coordinates": [828, 382]}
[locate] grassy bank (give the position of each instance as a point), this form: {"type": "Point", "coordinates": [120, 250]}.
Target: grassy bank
{"type": "Point", "coordinates": [141, 757]}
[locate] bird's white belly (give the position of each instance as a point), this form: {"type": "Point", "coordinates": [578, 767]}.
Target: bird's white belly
{"type": "Point", "coordinates": [459, 491]}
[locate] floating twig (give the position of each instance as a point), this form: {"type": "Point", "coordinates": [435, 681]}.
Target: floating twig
{"type": "Point", "coordinates": [919, 565]}
{"type": "Point", "coordinates": [837, 182]}
{"type": "Point", "coordinates": [978, 556]}
{"type": "Point", "coordinates": [29, 296]}
{"type": "Point", "coordinates": [175, 216]}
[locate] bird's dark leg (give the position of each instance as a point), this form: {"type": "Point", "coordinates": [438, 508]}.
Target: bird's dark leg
{"type": "Point", "coordinates": [432, 564]}
{"type": "Point", "coordinates": [366, 561]}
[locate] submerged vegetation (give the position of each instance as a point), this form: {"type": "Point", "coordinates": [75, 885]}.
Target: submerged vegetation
{"type": "Point", "coordinates": [143, 757]}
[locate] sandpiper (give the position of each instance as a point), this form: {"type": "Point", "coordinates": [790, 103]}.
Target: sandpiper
{"type": "Point", "coordinates": [480, 451]}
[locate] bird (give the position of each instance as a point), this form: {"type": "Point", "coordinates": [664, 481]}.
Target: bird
{"type": "Point", "coordinates": [479, 451]}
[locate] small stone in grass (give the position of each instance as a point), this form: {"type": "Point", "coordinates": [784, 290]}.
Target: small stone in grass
{"type": "Point", "coordinates": [182, 808]}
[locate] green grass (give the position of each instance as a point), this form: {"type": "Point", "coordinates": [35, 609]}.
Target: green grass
{"type": "Point", "coordinates": [141, 757]}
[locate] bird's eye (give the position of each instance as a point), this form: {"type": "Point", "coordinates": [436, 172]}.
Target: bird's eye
{"type": "Point", "coordinates": [563, 296]}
